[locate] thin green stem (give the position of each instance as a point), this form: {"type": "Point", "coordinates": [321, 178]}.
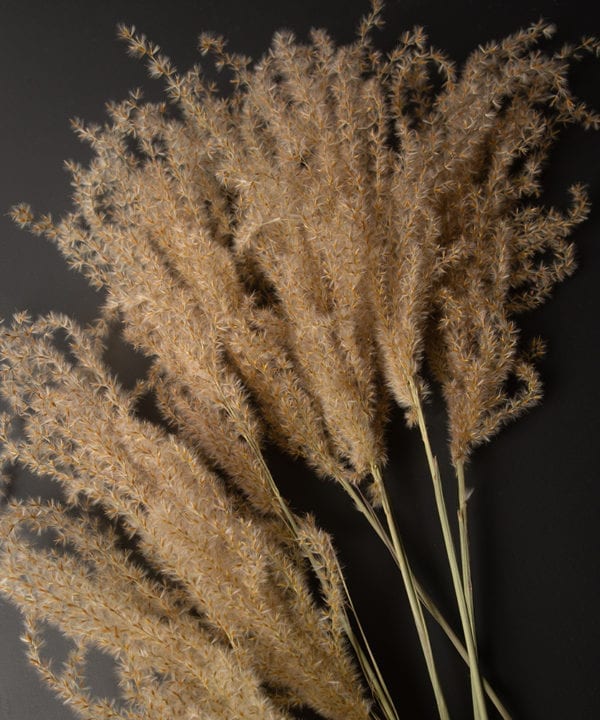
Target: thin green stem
{"type": "Point", "coordinates": [411, 592]}
{"type": "Point", "coordinates": [367, 510]}
{"type": "Point", "coordinates": [464, 542]}
{"type": "Point", "coordinates": [465, 561]}
{"type": "Point", "coordinates": [479, 707]}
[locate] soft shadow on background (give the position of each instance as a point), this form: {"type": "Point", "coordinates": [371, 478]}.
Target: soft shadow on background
{"type": "Point", "coordinates": [535, 509]}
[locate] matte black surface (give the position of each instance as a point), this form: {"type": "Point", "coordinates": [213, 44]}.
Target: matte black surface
{"type": "Point", "coordinates": [535, 510]}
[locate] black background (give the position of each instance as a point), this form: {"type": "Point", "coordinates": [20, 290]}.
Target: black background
{"type": "Point", "coordinates": [534, 513]}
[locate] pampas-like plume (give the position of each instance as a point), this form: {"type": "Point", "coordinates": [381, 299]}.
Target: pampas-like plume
{"type": "Point", "coordinates": [79, 429]}
{"type": "Point", "coordinates": [289, 258]}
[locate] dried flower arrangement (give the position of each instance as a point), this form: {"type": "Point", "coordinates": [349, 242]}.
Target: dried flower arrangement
{"type": "Point", "coordinates": [346, 229]}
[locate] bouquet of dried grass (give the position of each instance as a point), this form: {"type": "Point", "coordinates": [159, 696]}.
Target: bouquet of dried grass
{"type": "Point", "coordinates": [342, 229]}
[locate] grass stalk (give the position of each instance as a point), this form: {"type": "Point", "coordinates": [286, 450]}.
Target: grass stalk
{"type": "Point", "coordinates": [464, 542]}
{"type": "Point", "coordinates": [413, 599]}
{"type": "Point", "coordinates": [435, 613]}
{"type": "Point", "coordinates": [367, 510]}
{"type": "Point", "coordinates": [465, 561]}
{"type": "Point", "coordinates": [479, 706]}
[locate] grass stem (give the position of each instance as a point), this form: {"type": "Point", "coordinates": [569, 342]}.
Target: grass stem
{"type": "Point", "coordinates": [479, 706]}
{"type": "Point", "coordinates": [413, 599]}
{"type": "Point", "coordinates": [367, 510]}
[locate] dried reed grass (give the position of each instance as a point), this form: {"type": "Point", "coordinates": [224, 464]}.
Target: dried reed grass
{"type": "Point", "coordinates": [290, 258]}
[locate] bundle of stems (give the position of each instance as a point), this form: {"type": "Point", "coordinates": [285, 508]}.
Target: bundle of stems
{"type": "Point", "coordinates": [292, 258]}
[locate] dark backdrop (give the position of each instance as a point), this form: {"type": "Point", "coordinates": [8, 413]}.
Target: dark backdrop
{"type": "Point", "coordinates": [535, 509]}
